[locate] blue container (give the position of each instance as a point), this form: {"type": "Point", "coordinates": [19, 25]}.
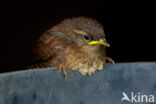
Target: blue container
{"type": "Point", "coordinates": [47, 86]}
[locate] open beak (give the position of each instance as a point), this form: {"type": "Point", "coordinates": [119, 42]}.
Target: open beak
{"type": "Point", "coordinates": [100, 42]}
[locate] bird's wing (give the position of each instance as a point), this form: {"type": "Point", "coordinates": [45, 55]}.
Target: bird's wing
{"type": "Point", "coordinates": [50, 44]}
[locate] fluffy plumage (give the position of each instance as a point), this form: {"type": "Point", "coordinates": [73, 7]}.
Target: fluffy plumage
{"type": "Point", "coordinates": [66, 45]}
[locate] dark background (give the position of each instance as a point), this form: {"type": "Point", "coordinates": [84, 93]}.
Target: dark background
{"type": "Point", "coordinates": [129, 28]}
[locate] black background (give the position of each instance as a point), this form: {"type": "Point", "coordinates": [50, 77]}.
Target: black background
{"type": "Point", "coordinates": [129, 28]}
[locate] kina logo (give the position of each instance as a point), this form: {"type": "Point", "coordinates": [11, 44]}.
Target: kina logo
{"type": "Point", "coordinates": [137, 97]}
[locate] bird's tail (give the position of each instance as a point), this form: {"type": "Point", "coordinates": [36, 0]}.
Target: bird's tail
{"type": "Point", "coordinates": [40, 64]}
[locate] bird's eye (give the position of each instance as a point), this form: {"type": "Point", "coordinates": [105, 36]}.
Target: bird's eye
{"type": "Point", "coordinates": [86, 37]}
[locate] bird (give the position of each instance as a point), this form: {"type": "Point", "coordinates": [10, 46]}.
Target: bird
{"type": "Point", "coordinates": [77, 43]}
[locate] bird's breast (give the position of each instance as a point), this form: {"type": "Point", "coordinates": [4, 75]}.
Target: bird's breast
{"type": "Point", "coordinates": [85, 63]}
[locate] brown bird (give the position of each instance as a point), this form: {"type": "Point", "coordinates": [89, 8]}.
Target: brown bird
{"type": "Point", "coordinates": [76, 44]}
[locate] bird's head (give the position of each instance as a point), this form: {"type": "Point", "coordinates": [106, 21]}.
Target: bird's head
{"type": "Point", "coordinates": [86, 39]}
{"type": "Point", "coordinates": [85, 32]}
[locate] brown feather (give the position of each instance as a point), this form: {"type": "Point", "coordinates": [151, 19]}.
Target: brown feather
{"type": "Point", "coordinates": [56, 50]}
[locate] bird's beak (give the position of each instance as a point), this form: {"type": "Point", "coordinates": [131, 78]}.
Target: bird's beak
{"type": "Point", "coordinates": [101, 42]}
